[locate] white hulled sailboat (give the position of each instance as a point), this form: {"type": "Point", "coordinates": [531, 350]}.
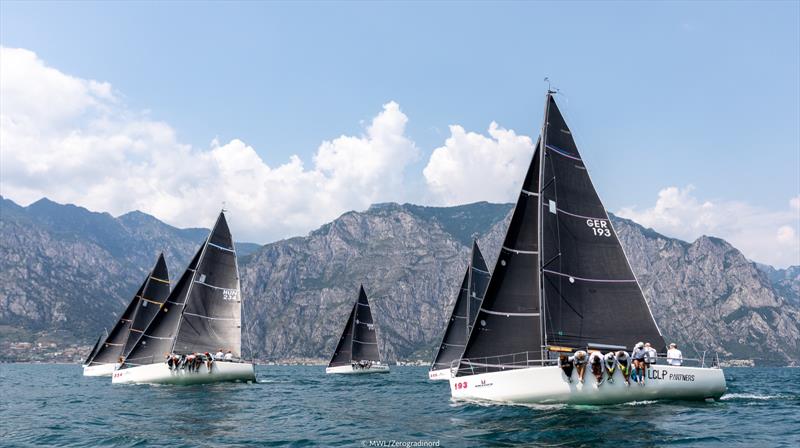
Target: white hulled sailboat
{"type": "Point", "coordinates": [357, 350]}
{"type": "Point", "coordinates": [462, 318]}
{"type": "Point", "coordinates": [106, 356]}
{"type": "Point", "coordinates": [201, 315]}
{"type": "Point", "coordinates": [562, 283]}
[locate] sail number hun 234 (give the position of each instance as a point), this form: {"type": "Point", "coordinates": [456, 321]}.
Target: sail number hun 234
{"type": "Point", "coordinates": [599, 227]}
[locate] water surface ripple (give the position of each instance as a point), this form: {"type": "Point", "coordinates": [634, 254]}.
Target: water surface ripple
{"type": "Point", "coordinates": [47, 405]}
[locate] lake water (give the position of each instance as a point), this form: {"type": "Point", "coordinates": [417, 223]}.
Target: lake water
{"type": "Point", "coordinates": [301, 406]}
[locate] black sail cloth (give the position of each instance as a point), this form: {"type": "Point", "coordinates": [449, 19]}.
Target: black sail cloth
{"type": "Point", "coordinates": [359, 340]}
{"type": "Point", "coordinates": [212, 317]}
{"type": "Point", "coordinates": [110, 350]}
{"type": "Point", "coordinates": [576, 290]}
{"type": "Point", "coordinates": [507, 325]}
{"type": "Point", "coordinates": [465, 310]}
{"type": "Point", "coordinates": [152, 298]}
{"type": "Point", "coordinates": [158, 337]}
{"type": "Point", "coordinates": [591, 294]}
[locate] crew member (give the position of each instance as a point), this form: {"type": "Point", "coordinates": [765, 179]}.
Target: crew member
{"type": "Point", "coordinates": [674, 356]}
{"type": "Point", "coordinates": [566, 365]}
{"type": "Point", "coordinates": [611, 365]}
{"type": "Point", "coordinates": [219, 355]}
{"type": "Point", "coordinates": [579, 359]}
{"type": "Point", "coordinates": [651, 356]}
{"type": "Point", "coordinates": [638, 355]}
{"type": "Point", "coordinates": [190, 361]}
{"type": "Point", "coordinates": [624, 363]}
{"type": "Point", "coordinates": [209, 361]}
{"type": "Point", "coordinates": [229, 356]}
{"type": "Point", "coordinates": [596, 361]}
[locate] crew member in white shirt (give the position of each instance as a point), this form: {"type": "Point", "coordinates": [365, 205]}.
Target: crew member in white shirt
{"type": "Point", "coordinates": [674, 356]}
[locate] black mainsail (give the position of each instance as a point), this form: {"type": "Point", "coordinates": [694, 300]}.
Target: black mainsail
{"type": "Point", "coordinates": [562, 278]}
{"type": "Point", "coordinates": [110, 350]}
{"type": "Point", "coordinates": [203, 311]}
{"type": "Point", "coordinates": [212, 317]}
{"type": "Point", "coordinates": [158, 337]}
{"type": "Point", "coordinates": [359, 341]}
{"type": "Point", "coordinates": [591, 295]}
{"type": "Point", "coordinates": [465, 310]}
{"type": "Point", "coordinates": [92, 353]}
{"type": "Point", "coordinates": [156, 291]}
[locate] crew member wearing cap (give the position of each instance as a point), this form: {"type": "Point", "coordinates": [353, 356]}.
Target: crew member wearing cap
{"type": "Point", "coordinates": [637, 355]}
{"type": "Point", "coordinates": [579, 359]}
{"type": "Point", "coordinates": [674, 356]}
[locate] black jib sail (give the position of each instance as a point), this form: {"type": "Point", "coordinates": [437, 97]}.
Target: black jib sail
{"type": "Point", "coordinates": [212, 317]}
{"type": "Point", "coordinates": [591, 295]}
{"type": "Point", "coordinates": [468, 302]}
{"type": "Point", "coordinates": [507, 327]}
{"type": "Point", "coordinates": [359, 341]}
{"type": "Point", "coordinates": [158, 337]}
{"type": "Point", "coordinates": [110, 350]}
{"type": "Point", "coordinates": [92, 353]}
{"type": "Point", "coordinates": [156, 291]}
{"type": "Point", "coordinates": [562, 278]}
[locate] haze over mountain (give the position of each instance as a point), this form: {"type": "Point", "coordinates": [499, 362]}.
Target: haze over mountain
{"type": "Point", "coordinates": [66, 271]}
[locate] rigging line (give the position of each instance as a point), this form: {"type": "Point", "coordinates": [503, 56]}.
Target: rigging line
{"type": "Point", "coordinates": [208, 317]}
{"type": "Point", "coordinates": [522, 252]}
{"type": "Point", "coordinates": [562, 152]}
{"type": "Point", "coordinates": [552, 259]}
{"type": "Point", "coordinates": [564, 299]}
{"type": "Point", "coordinates": [509, 314]}
{"type": "Point", "coordinates": [597, 280]}
{"type": "Point", "coordinates": [580, 216]}
{"type": "Point", "coordinates": [221, 247]}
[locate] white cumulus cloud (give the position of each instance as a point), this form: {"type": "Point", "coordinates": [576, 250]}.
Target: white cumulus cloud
{"type": "Point", "coordinates": [72, 140]}
{"type": "Point", "coordinates": [762, 235]}
{"type": "Point", "coordinates": [474, 167]}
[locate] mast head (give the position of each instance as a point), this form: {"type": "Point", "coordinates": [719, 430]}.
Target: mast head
{"type": "Point", "coordinates": [550, 90]}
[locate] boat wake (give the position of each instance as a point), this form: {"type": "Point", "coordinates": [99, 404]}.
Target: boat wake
{"type": "Point", "coordinates": [737, 396]}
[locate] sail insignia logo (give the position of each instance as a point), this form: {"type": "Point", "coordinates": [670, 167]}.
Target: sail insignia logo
{"type": "Point", "coordinates": [230, 294]}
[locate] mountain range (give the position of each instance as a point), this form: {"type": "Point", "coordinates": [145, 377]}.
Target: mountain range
{"type": "Point", "coordinates": [65, 272]}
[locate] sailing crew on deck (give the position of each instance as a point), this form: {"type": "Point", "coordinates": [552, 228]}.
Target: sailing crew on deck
{"type": "Point", "coordinates": [650, 356]}
{"type": "Point", "coordinates": [596, 361]}
{"type": "Point", "coordinates": [219, 355]}
{"type": "Point", "coordinates": [579, 359]}
{"type": "Point", "coordinates": [624, 363]}
{"type": "Point", "coordinates": [209, 361]}
{"type": "Point", "coordinates": [674, 356]}
{"type": "Point", "coordinates": [567, 365]}
{"type": "Point", "coordinates": [611, 365]}
{"type": "Point", "coordinates": [229, 356]}
{"type": "Point", "coordinates": [638, 355]}
{"type": "Point", "coordinates": [190, 358]}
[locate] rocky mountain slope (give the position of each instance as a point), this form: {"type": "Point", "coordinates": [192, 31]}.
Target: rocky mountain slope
{"type": "Point", "coordinates": [67, 270]}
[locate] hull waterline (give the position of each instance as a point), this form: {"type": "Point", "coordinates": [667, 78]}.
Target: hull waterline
{"type": "Point", "coordinates": [350, 370]}
{"type": "Point", "coordinates": [100, 369]}
{"type": "Point", "coordinates": [160, 373]}
{"type": "Point", "coordinates": [550, 385]}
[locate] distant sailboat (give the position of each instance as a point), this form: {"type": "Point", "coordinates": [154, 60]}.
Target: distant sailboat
{"type": "Point", "coordinates": [202, 314]}
{"type": "Point", "coordinates": [563, 283]}
{"type": "Point", "coordinates": [106, 357]}
{"type": "Point", "coordinates": [357, 351]}
{"type": "Point", "coordinates": [462, 318]}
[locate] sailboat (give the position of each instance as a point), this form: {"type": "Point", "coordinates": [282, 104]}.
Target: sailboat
{"type": "Point", "coordinates": [563, 283]}
{"type": "Point", "coordinates": [106, 357]}
{"type": "Point", "coordinates": [357, 351]}
{"type": "Point", "coordinates": [202, 314]}
{"type": "Point", "coordinates": [462, 318]}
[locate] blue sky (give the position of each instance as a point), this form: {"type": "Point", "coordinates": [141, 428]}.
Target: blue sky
{"type": "Point", "coordinates": [700, 96]}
